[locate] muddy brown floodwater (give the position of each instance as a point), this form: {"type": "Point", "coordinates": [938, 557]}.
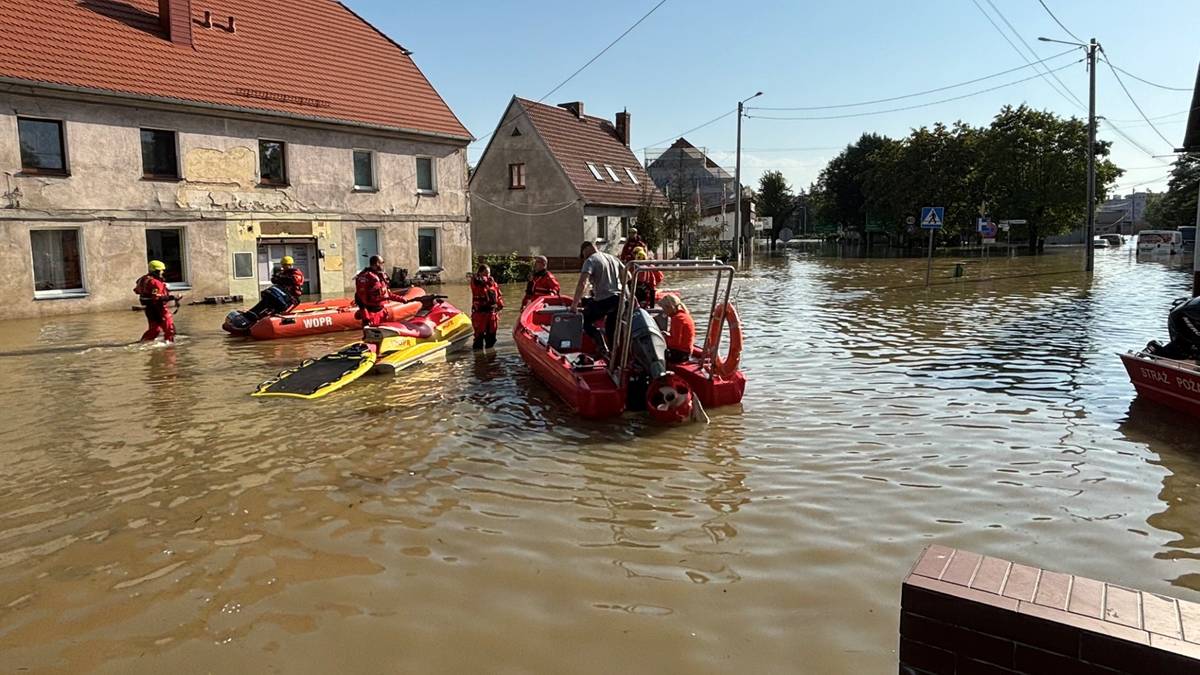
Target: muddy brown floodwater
{"type": "Point", "coordinates": [456, 519]}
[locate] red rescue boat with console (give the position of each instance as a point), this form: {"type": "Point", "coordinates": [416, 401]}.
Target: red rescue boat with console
{"type": "Point", "coordinates": [311, 318]}
{"type": "Point", "coordinates": [636, 376]}
{"type": "Point", "coordinates": [1170, 374]}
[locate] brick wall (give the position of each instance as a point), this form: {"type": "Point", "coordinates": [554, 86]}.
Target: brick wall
{"type": "Point", "coordinates": [966, 613]}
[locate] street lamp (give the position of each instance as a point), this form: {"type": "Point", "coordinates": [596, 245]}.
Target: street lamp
{"type": "Point", "coordinates": [1091, 48]}
{"type": "Point", "coordinates": [737, 181]}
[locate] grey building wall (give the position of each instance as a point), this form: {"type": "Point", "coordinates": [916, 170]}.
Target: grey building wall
{"type": "Point", "coordinates": [218, 202]}
{"type": "Point", "coordinates": [546, 218]}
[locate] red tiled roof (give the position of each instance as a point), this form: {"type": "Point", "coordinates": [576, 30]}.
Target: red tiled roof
{"type": "Point", "coordinates": [305, 58]}
{"type": "Point", "coordinates": [575, 141]}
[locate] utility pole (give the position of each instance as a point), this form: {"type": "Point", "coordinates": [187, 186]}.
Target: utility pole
{"type": "Point", "coordinates": [1196, 256]}
{"type": "Point", "coordinates": [1091, 186]}
{"type": "Point", "coordinates": [737, 180]}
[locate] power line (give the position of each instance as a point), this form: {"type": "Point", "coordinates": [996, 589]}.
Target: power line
{"type": "Point", "coordinates": [922, 93]}
{"type": "Point", "coordinates": [1129, 138]}
{"type": "Point", "coordinates": [1152, 84]}
{"type": "Point", "coordinates": [1134, 101]}
{"type": "Point", "coordinates": [1060, 24]}
{"type": "Point", "coordinates": [590, 61]}
{"type": "Point", "coordinates": [685, 133]}
{"type": "Point", "coordinates": [918, 105]}
{"type": "Point", "coordinates": [1021, 53]}
{"type": "Point", "coordinates": [1031, 51]}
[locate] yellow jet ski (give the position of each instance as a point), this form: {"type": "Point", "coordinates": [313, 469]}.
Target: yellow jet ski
{"type": "Point", "coordinates": [388, 348]}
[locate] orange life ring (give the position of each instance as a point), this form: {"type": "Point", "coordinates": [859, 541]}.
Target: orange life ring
{"type": "Point", "coordinates": [727, 315]}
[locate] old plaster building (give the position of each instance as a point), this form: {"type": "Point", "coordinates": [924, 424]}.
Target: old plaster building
{"type": "Point", "coordinates": [552, 177]}
{"type": "Point", "coordinates": [218, 137]}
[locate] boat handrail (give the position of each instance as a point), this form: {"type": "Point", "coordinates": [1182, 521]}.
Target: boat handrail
{"type": "Point", "coordinates": [619, 357]}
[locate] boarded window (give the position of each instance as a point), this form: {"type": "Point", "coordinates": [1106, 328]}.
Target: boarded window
{"type": "Point", "coordinates": [42, 148]}
{"type": "Point", "coordinates": [160, 159]}
{"type": "Point", "coordinates": [57, 262]}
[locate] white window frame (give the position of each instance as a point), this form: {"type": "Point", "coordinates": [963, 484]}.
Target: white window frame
{"type": "Point", "coordinates": [612, 174]}
{"type": "Point", "coordinates": [61, 294]}
{"type": "Point", "coordinates": [253, 264]}
{"type": "Point", "coordinates": [632, 178]}
{"type": "Point", "coordinates": [602, 236]}
{"type": "Point", "coordinates": [184, 253]}
{"type": "Point", "coordinates": [595, 171]}
{"type": "Point", "coordinates": [437, 249]}
{"type": "Point", "coordinates": [374, 186]}
{"type": "Point", "coordinates": [432, 190]}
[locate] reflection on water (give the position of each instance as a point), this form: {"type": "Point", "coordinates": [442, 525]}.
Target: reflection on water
{"type": "Point", "coordinates": [154, 517]}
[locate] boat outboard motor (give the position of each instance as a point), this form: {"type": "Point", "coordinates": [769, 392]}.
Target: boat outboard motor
{"type": "Point", "coordinates": [1184, 326]}
{"type": "Point", "coordinates": [273, 300]}
{"type": "Point", "coordinates": [648, 344]}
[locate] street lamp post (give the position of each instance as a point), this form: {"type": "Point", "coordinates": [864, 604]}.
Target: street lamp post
{"type": "Point", "coordinates": [737, 183]}
{"type": "Point", "coordinates": [1092, 46]}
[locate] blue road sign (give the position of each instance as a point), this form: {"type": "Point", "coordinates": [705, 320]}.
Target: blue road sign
{"type": "Point", "coordinates": [987, 228]}
{"type": "Point", "coordinates": [932, 217]}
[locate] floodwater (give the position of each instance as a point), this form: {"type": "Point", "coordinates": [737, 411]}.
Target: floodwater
{"type": "Point", "coordinates": [456, 519]}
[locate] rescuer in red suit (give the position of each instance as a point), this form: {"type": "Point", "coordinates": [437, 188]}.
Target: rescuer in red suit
{"type": "Point", "coordinates": [372, 293]}
{"type": "Point", "coordinates": [486, 303]}
{"type": "Point", "coordinates": [289, 279]}
{"type": "Point", "coordinates": [648, 282]}
{"type": "Point", "coordinates": [632, 243]}
{"type": "Point", "coordinates": [541, 282]}
{"type": "Point", "coordinates": [154, 296]}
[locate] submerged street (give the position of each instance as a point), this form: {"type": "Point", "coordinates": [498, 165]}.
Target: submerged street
{"type": "Point", "coordinates": [457, 518]}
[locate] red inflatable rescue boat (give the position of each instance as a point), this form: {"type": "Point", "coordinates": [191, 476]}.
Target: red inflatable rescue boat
{"type": "Point", "coordinates": [326, 316]}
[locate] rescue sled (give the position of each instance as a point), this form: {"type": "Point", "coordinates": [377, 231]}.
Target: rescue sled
{"type": "Point", "coordinates": [314, 318]}
{"type": "Point", "coordinates": [435, 330]}
{"type": "Point", "coordinates": [636, 377]}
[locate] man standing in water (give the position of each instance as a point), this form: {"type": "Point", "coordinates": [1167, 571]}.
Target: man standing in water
{"type": "Point", "coordinates": [372, 292]}
{"type": "Point", "coordinates": [486, 303]}
{"type": "Point", "coordinates": [603, 272]}
{"type": "Point", "coordinates": [154, 296]}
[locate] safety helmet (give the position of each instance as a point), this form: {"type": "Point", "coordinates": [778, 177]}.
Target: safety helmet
{"type": "Point", "coordinates": [157, 266]}
{"type": "Point", "coordinates": [287, 260]}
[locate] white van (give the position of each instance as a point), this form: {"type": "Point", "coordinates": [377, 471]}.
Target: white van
{"type": "Point", "coordinates": [1160, 242]}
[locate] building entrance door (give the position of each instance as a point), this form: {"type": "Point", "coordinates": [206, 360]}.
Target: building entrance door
{"type": "Point", "coordinates": [303, 252]}
{"type": "Point", "coordinates": [367, 240]}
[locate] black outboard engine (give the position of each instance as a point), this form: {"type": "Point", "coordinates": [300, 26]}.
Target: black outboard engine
{"type": "Point", "coordinates": [273, 300]}
{"type": "Point", "coordinates": [1184, 326]}
{"type": "Point", "coordinates": [648, 345]}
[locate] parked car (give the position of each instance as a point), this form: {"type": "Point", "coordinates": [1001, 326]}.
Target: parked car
{"type": "Point", "coordinates": [1099, 242]}
{"type": "Point", "coordinates": [1113, 239]}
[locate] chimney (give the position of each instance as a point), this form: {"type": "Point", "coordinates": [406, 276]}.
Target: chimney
{"type": "Point", "coordinates": [175, 17]}
{"type": "Point", "coordinates": [576, 108]}
{"type": "Point", "coordinates": [623, 126]}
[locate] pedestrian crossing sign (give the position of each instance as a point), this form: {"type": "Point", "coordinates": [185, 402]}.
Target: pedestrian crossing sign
{"type": "Point", "coordinates": [932, 217]}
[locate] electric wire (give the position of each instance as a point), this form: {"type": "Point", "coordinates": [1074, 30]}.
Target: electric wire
{"type": "Point", "coordinates": [1134, 101]}
{"type": "Point", "coordinates": [681, 134]}
{"type": "Point", "coordinates": [1031, 51]}
{"type": "Point", "coordinates": [920, 93]}
{"type": "Point", "coordinates": [915, 106]}
{"type": "Point", "coordinates": [1060, 24]}
{"type": "Point", "coordinates": [1022, 54]}
{"type": "Point", "coordinates": [1152, 84]}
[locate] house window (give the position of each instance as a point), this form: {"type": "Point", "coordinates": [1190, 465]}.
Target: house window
{"type": "Point", "coordinates": [516, 176]}
{"type": "Point", "coordinates": [364, 170]}
{"type": "Point", "coordinates": [272, 163]}
{"type": "Point", "coordinates": [595, 172]}
{"type": "Point", "coordinates": [427, 247]}
{"type": "Point", "coordinates": [167, 245]}
{"type": "Point", "coordinates": [625, 226]}
{"type": "Point", "coordinates": [602, 228]}
{"type": "Point", "coordinates": [632, 178]}
{"type": "Point", "coordinates": [57, 263]}
{"type": "Point", "coordinates": [425, 176]}
{"type": "Point", "coordinates": [243, 265]}
{"type": "Point", "coordinates": [42, 148]}
{"type": "Point", "coordinates": [160, 160]}
{"type": "Point", "coordinates": [612, 174]}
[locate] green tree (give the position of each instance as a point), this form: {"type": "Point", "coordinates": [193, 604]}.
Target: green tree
{"type": "Point", "coordinates": [1177, 206]}
{"type": "Point", "coordinates": [775, 200]}
{"type": "Point", "coordinates": [650, 221]}
{"type": "Point", "coordinates": [840, 186]}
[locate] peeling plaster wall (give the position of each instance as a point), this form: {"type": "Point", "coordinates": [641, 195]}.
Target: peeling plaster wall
{"type": "Point", "coordinates": [219, 188]}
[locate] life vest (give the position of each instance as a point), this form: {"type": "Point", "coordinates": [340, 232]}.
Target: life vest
{"type": "Point", "coordinates": [290, 280]}
{"type": "Point", "coordinates": [682, 336]}
{"type": "Point", "coordinates": [540, 284]}
{"type": "Point", "coordinates": [371, 289]}
{"type": "Point", "coordinates": [485, 295]}
{"type": "Point", "coordinates": [151, 290]}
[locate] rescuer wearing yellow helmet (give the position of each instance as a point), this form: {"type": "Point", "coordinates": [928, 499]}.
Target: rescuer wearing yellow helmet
{"type": "Point", "coordinates": [154, 296]}
{"type": "Point", "coordinates": [289, 279]}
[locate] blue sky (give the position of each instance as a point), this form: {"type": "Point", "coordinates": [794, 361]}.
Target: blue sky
{"type": "Point", "coordinates": [693, 59]}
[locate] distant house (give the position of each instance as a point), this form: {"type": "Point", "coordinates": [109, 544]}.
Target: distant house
{"type": "Point", "coordinates": [690, 177]}
{"type": "Point", "coordinates": [552, 177]}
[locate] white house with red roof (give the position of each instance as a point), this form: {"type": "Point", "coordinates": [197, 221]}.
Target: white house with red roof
{"type": "Point", "coordinates": [217, 137]}
{"type": "Point", "coordinates": [553, 177]}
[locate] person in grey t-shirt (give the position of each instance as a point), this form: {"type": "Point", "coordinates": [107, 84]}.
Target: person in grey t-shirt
{"type": "Point", "coordinates": [603, 272]}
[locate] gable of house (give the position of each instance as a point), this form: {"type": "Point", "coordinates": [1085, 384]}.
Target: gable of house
{"type": "Point", "coordinates": [311, 59]}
